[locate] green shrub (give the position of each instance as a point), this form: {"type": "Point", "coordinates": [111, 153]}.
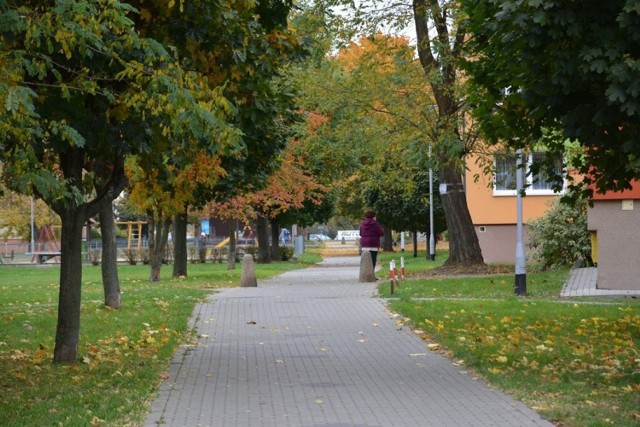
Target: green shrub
{"type": "Point", "coordinates": [253, 250]}
{"type": "Point", "coordinates": [193, 251]}
{"type": "Point", "coordinates": [286, 253]}
{"type": "Point", "coordinates": [131, 255]}
{"type": "Point", "coordinates": [95, 256]}
{"type": "Point", "coordinates": [561, 236]}
{"type": "Point", "coordinates": [144, 256]}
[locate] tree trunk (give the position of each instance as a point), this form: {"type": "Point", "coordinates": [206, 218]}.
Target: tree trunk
{"type": "Point", "coordinates": [231, 254]}
{"type": "Point", "coordinates": [441, 71]}
{"type": "Point", "coordinates": [415, 244]}
{"type": "Point", "coordinates": [262, 233]}
{"type": "Point", "coordinates": [464, 248]}
{"type": "Point", "coordinates": [158, 233]}
{"type": "Point", "coordinates": [180, 245]}
{"type": "Point", "coordinates": [110, 280]}
{"type": "Point", "coordinates": [73, 218]}
{"type": "Point", "coordinates": [387, 242]}
{"type": "Point", "coordinates": [275, 243]}
{"type": "Point", "coordinates": [69, 300]}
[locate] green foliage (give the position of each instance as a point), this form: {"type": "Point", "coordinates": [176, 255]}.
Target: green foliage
{"type": "Point", "coordinates": [125, 210]}
{"type": "Point", "coordinates": [310, 213]}
{"type": "Point", "coordinates": [369, 121]}
{"type": "Point", "coordinates": [567, 65]}
{"type": "Point", "coordinates": [251, 58]}
{"type": "Point", "coordinates": [286, 253]}
{"type": "Point", "coordinates": [406, 208]}
{"type": "Point", "coordinates": [560, 237]}
{"type": "Point", "coordinates": [252, 250]}
{"type": "Point", "coordinates": [131, 255]}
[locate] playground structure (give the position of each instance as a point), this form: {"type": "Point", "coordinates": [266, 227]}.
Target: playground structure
{"type": "Point", "coordinates": [46, 247]}
{"type": "Point", "coordinates": [244, 238]}
{"type": "Point", "coordinates": [132, 238]}
{"type": "Point", "coordinates": [134, 233]}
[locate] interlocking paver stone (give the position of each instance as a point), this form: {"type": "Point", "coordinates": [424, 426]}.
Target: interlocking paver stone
{"type": "Point", "coordinates": [314, 347]}
{"type": "Point", "coordinates": [583, 282]}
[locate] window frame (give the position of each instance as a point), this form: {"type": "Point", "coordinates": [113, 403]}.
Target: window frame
{"type": "Point", "coordinates": [528, 178]}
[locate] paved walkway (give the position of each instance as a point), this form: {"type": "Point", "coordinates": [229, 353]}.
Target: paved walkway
{"type": "Point", "coordinates": [582, 282]}
{"type": "Point", "coordinates": [314, 347]}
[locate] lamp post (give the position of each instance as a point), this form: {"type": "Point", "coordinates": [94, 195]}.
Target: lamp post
{"type": "Point", "coordinates": [521, 268]}
{"type": "Point", "coordinates": [432, 245]}
{"type": "Point", "coordinates": [33, 229]}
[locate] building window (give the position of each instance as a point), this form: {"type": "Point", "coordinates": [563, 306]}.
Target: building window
{"type": "Point", "coordinates": [505, 175]}
{"type": "Point", "coordinates": [541, 181]}
{"type": "Point", "coordinates": [504, 183]}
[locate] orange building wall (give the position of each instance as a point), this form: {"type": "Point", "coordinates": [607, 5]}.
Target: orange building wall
{"type": "Point", "coordinates": [487, 209]}
{"type": "Point", "coordinates": [634, 193]}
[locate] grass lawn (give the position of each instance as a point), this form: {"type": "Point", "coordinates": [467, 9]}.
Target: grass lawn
{"type": "Point", "coordinates": [123, 353]}
{"type": "Point", "coordinates": [575, 361]}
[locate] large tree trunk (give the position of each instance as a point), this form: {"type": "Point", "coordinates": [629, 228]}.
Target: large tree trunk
{"type": "Point", "coordinates": [439, 58]}
{"type": "Point", "coordinates": [231, 254]}
{"type": "Point", "coordinates": [464, 247]}
{"type": "Point", "coordinates": [68, 327]}
{"type": "Point", "coordinates": [275, 243]}
{"type": "Point", "coordinates": [180, 245]}
{"type": "Point", "coordinates": [262, 233]}
{"type": "Point", "coordinates": [110, 280]}
{"type": "Point", "coordinates": [73, 218]}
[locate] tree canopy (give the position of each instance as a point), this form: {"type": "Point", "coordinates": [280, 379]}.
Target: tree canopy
{"type": "Point", "coordinates": [441, 35]}
{"type": "Point", "coordinates": [575, 66]}
{"type": "Point", "coordinates": [81, 90]}
{"type": "Point", "coordinates": [367, 114]}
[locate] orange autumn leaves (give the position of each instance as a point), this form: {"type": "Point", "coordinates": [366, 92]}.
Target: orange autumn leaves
{"type": "Point", "coordinates": [288, 188]}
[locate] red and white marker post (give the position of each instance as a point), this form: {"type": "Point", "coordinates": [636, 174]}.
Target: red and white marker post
{"type": "Point", "coordinates": [392, 278]}
{"type": "Point", "coordinates": [395, 273]}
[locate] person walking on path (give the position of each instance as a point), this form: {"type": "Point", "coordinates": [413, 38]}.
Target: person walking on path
{"type": "Point", "coordinates": [370, 233]}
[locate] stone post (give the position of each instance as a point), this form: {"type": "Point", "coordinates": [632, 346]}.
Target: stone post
{"type": "Point", "coordinates": [248, 277]}
{"type": "Point", "coordinates": [367, 273]}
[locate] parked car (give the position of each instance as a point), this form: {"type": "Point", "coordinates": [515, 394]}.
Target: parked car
{"type": "Point", "coordinates": [319, 237]}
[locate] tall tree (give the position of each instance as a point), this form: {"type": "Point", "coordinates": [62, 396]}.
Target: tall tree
{"type": "Point", "coordinates": [163, 183]}
{"type": "Point", "coordinates": [441, 35]}
{"type": "Point", "coordinates": [567, 65]}
{"type": "Point", "coordinates": [79, 83]}
{"type": "Point", "coordinates": [373, 94]}
{"type": "Point", "coordinates": [288, 188]}
{"type": "Point", "coordinates": [242, 46]}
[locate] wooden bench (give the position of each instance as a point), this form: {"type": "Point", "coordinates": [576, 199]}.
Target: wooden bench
{"type": "Point", "coordinates": [44, 256]}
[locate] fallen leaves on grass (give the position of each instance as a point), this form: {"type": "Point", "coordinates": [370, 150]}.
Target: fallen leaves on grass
{"type": "Point", "coordinates": [464, 270]}
{"type": "Point", "coordinates": [601, 350]}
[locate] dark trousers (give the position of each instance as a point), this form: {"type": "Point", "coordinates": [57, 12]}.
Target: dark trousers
{"type": "Point", "coordinates": [374, 256]}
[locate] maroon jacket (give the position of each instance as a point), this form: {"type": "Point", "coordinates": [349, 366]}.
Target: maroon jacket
{"type": "Point", "coordinates": [370, 233]}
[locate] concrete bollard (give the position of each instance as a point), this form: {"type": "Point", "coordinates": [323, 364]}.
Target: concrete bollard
{"type": "Point", "coordinates": [367, 273]}
{"type": "Point", "coordinates": [248, 277]}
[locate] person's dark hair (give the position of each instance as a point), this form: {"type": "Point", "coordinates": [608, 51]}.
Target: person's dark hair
{"type": "Point", "coordinates": [370, 214]}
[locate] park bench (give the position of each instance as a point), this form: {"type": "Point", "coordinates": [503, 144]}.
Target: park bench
{"type": "Point", "coordinates": [44, 256]}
